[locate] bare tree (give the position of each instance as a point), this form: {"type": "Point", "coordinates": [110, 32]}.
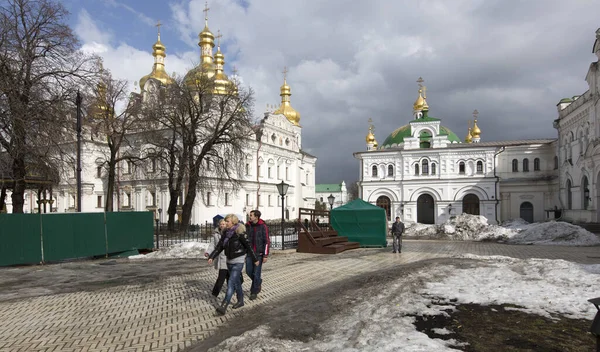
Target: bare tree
{"type": "Point", "coordinates": [111, 117]}
{"type": "Point", "coordinates": [40, 68]}
{"type": "Point", "coordinates": [204, 135]}
{"type": "Point", "coordinates": [352, 190]}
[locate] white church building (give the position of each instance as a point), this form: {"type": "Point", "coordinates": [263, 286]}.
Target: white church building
{"type": "Point", "coordinates": [274, 154]}
{"type": "Point", "coordinates": [424, 173]}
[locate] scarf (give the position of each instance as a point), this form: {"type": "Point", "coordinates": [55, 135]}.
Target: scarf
{"type": "Point", "coordinates": [229, 233]}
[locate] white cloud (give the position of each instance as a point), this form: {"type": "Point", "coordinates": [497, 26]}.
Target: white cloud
{"type": "Point", "coordinates": [88, 31]}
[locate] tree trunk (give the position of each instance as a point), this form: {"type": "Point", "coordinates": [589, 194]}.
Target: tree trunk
{"type": "Point", "coordinates": [110, 183]}
{"type": "Point", "coordinates": [190, 197]}
{"type": "Point", "coordinates": [19, 172]}
{"type": "Point", "coordinates": [172, 210]}
{"type": "Point", "coordinates": [3, 199]}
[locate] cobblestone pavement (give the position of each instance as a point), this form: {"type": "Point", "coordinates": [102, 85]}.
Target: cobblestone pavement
{"type": "Point", "coordinates": [175, 311]}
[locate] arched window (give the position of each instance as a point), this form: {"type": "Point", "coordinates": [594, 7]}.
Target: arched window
{"type": "Point", "coordinates": [461, 168]}
{"type": "Point", "coordinates": [433, 168]}
{"type": "Point", "coordinates": [390, 170]}
{"type": "Point", "coordinates": [515, 165]}
{"type": "Point", "coordinates": [425, 164]}
{"type": "Point", "coordinates": [374, 171]}
{"type": "Point", "coordinates": [416, 169]}
{"type": "Point", "coordinates": [569, 195]}
{"type": "Point", "coordinates": [525, 165]}
{"type": "Point", "coordinates": [555, 162]}
{"type": "Point", "coordinates": [536, 164]}
{"type": "Point", "coordinates": [480, 167]}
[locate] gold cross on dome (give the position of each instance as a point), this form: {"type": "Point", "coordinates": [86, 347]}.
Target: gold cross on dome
{"type": "Point", "coordinates": [234, 70]}
{"type": "Point", "coordinates": [219, 36]}
{"type": "Point", "coordinates": [206, 8]}
{"type": "Point", "coordinates": [420, 81]}
{"type": "Point", "coordinates": [285, 71]}
{"type": "Point", "coordinates": [158, 24]}
{"type": "Point", "coordinates": [475, 113]}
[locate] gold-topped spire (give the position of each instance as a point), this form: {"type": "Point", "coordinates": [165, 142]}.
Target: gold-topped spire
{"type": "Point", "coordinates": [420, 102]}
{"type": "Point", "coordinates": [206, 43]}
{"type": "Point", "coordinates": [469, 137]}
{"type": "Point", "coordinates": [285, 108]}
{"type": "Point", "coordinates": [370, 136]}
{"type": "Point", "coordinates": [222, 82]}
{"type": "Point", "coordinates": [158, 70]}
{"type": "Point", "coordinates": [476, 132]}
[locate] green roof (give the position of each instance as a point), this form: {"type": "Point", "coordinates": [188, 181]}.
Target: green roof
{"type": "Point", "coordinates": [400, 133]}
{"type": "Point", "coordinates": [328, 187]}
{"type": "Point", "coordinates": [565, 100]}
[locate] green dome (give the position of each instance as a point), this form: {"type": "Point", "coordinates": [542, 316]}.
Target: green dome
{"type": "Point", "coordinates": [400, 133]}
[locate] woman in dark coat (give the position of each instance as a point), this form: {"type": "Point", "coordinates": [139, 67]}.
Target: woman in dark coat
{"type": "Point", "coordinates": [236, 247]}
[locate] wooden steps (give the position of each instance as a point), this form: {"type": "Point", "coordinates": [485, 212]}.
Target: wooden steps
{"type": "Point", "coordinates": [324, 242]}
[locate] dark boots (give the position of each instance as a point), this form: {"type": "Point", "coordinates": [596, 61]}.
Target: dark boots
{"type": "Point", "coordinates": [222, 308]}
{"type": "Point", "coordinates": [239, 304]}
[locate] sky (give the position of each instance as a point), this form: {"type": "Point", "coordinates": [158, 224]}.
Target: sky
{"type": "Point", "coordinates": [541, 286]}
{"type": "Point", "coordinates": [349, 61]}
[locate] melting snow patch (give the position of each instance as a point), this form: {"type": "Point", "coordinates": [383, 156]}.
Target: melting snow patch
{"type": "Point", "coordinates": [189, 250]}
{"type": "Point", "coordinates": [518, 231]}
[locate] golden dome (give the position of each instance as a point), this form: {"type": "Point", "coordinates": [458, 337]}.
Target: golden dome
{"type": "Point", "coordinates": [158, 70]}
{"type": "Point", "coordinates": [420, 102]}
{"type": "Point", "coordinates": [375, 145]}
{"type": "Point", "coordinates": [476, 132]}
{"type": "Point", "coordinates": [206, 42]}
{"type": "Point", "coordinates": [286, 109]}
{"type": "Point", "coordinates": [222, 83]}
{"type": "Point", "coordinates": [469, 137]}
{"type": "Point", "coordinates": [370, 137]}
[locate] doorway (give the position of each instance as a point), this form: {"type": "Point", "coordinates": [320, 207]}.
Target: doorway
{"type": "Point", "coordinates": [471, 204]}
{"type": "Point", "coordinates": [425, 209]}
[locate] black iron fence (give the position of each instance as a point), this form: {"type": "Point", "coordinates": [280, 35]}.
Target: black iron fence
{"type": "Point", "coordinates": [281, 238]}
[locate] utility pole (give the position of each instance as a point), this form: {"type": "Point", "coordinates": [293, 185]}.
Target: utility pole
{"type": "Point", "coordinates": [78, 104]}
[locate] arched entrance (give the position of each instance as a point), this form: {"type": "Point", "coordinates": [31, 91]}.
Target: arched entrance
{"type": "Point", "coordinates": [384, 202]}
{"type": "Point", "coordinates": [526, 212]}
{"type": "Point", "coordinates": [471, 204]}
{"type": "Point", "coordinates": [425, 209]}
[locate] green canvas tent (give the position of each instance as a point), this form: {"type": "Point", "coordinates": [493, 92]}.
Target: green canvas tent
{"type": "Point", "coordinates": [361, 222]}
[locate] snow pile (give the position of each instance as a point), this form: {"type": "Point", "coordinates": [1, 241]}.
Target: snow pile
{"type": "Point", "coordinates": [191, 250]}
{"type": "Point", "coordinates": [462, 227]}
{"type": "Point", "coordinates": [555, 233]}
{"type": "Point", "coordinates": [517, 231]}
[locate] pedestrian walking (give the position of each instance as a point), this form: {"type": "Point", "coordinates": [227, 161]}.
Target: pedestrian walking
{"type": "Point", "coordinates": [235, 245]}
{"type": "Point", "coordinates": [258, 236]}
{"type": "Point", "coordinates": [220, 262]}
{"type": "Point", "coordinates": [397, 231]}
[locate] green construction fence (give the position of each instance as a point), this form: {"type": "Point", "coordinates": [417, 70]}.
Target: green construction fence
{"type": "Point", "coordinates": [52, 237]}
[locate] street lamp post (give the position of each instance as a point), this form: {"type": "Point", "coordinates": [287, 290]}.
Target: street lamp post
{"type": "Point", "coordinates": [78, 171]}
{"type": "Point", "coordinates": [331, 199]}
{"type": "Point", "coordinates": [282, 188]}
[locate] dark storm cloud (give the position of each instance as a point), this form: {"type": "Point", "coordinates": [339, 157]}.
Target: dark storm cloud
{"type": "Point", "coordinates": [350, 61]}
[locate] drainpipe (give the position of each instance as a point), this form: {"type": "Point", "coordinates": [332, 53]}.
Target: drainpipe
{"type": "Point", "coordinates": [558, 153]}
{"type": "Point", "coordinates": [259, 135]}
{"type": "Point", "coordinates": [496, 183]}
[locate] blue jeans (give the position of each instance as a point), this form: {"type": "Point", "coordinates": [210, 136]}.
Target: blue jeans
{"type": "Point", "coordinates": [254, 272]}
{"type": "Point", "coordinates": [234, 283]}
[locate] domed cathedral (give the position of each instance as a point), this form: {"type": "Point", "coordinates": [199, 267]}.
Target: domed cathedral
{"type": "Point", "coordinates": [424, 173]}
{"type": "Point", "coordinates": [274, 154]}
{"type": "Point", "coordinates": [578, 148]}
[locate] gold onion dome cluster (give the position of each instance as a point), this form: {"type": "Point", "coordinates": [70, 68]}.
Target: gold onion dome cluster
{"type": "Point", "coordinates": [158, 70]}
{"type": "Point", "coordinates": [476, 132]}
{"type": "Point", "coordinates": [211, 67]}
{"type": "Point", "coordinates": [286, 108]}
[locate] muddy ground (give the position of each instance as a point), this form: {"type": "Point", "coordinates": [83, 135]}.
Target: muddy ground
{"type": "Point", "coordinates": [307, 317]}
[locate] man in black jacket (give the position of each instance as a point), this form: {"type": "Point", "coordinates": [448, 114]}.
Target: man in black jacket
{"type": "Point", "coordinates": [397, 231]}
{"type": "Point", "coordinates": [258, 237]}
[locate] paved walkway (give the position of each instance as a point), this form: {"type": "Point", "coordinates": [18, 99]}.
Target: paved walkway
{"type": "Point", "coordinates": [173, 313]}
